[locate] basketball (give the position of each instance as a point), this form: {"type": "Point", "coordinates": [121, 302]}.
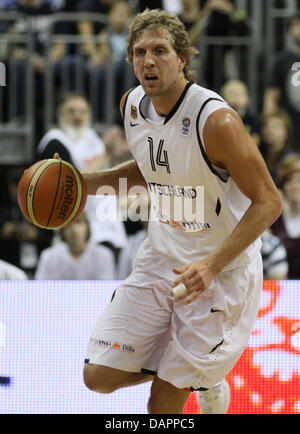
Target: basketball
{"type": "Point", "coordinates": [52, 194]}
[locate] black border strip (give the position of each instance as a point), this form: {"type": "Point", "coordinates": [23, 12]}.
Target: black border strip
{"type": "Point", "coordinates": [207, 160]}
{"type": "Point", "coordinates": [176, 106]}
{"type": "Point", "coordinates": [147, 371]}
{"type": "Point", "coordinates": [214, 348]}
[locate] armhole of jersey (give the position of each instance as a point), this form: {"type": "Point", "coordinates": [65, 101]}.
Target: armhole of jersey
{"type": "Point", "coordinates": [203, 152]}
{"type": "Point", "coordinates": [125, 102]}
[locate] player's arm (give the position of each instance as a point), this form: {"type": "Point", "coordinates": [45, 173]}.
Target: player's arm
{"type": "Point", "coordinates": [228, 145]}
{"type": "Point", "coordinates": [110, 177]}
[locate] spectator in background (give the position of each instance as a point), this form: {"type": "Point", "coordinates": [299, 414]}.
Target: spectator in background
{"type": "Point", "coordinates": [114, 48]}
{"type": "Point", "coordinates": [287, 226]}
{"type": "Point", "coordinates": [21, 242]}
{"type": "Point", "coordinates": [193, 19]}
{"type": "Point", "coordinates": [39, 12]}
{"type": "Point", "coordinates": [119, 19]}
{"type": "Point", "coordinates": [283, 89]}
{"type": "Point", "coordinates": [116, 145]}
{"type": "Point", "coordinates": [274, 256]}
{"type": "Point", "coordinates": [11, 272]}
{"type": "Point", "coordinates": [73, 138]}
{"type": "Point", "coordinates": [222, 19]}
{"type": "Point", "coordinates": [75, 258]}
{"type": "Point", "coordinates": [76, 142]}
{"type": "Point", "coordinates": [276, 138]}
{"type": "Point", "coordinates": [236, 94]}
{"type": "Point", "coordinates": [86, 28]}
{"type": "Point", "coordinates": [135, 207]}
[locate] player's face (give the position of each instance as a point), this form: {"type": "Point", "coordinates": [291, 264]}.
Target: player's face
{"type": "Point", "coordinates": [156, 63]}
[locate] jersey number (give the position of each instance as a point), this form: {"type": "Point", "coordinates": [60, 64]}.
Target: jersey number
{"type": "Point", "coordinates": [161, 157]}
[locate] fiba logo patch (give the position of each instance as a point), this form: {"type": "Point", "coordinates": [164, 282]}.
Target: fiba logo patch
{"type": "Point", "coordinates": [186, 127]}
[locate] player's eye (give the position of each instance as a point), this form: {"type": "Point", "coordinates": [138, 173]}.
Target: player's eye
{"type": "Point", "coordinates": [139, 52]}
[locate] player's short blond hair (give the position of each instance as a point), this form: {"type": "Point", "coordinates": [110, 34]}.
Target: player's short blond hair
{"type": "Point", "coordinates": [159, 19]}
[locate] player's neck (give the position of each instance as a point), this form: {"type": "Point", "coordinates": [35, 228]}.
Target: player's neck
{"type": "Point", "coordinates": [165, 102]}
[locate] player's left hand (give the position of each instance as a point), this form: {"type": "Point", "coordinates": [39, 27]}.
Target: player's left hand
{"type": "Point", "coordinates": [196, 277]}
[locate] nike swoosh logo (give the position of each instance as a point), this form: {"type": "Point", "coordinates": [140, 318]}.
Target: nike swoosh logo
{"type": "Point", "coordinates": [215, 310]}
{"type": "Point", "coordinates": [133, 125]}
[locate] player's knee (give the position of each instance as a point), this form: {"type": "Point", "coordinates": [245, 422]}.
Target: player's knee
{"type": "Point", "coordinates": [96, 382]}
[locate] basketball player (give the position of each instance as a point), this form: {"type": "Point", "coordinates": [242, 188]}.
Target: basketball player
{"type": "Point", "coordinates": [182, 136]}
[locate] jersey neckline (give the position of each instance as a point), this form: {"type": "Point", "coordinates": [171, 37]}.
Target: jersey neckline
{"type": "Point", "coordinates": [174, 109]}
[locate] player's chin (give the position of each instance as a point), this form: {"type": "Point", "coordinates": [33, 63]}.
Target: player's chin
{"type": "Point", "coordinates": [151, 88]}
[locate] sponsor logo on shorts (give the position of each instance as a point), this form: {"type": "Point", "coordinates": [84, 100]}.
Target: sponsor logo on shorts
{"type": "Point", "coordinates": [116, 345]}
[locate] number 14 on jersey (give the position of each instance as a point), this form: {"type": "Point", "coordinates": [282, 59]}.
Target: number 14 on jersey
{"type": "Point", "coordinates": [161, 156]}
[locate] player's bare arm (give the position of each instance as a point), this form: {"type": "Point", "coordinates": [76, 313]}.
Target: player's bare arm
{"type": "Point", "coordinates": [110, 177]}
{"type": "Point", "coordinates": [229, 146]}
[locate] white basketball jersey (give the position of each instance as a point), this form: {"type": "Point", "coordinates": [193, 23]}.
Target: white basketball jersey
{"type": "Point", "coordinates": [194, 206]}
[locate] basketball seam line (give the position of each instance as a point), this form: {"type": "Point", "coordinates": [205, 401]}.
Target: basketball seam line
{"type": "Point", "coordinates": [75, 174]}
{"type": "Point", "coordinates": [57, 188]}
{"type": "Point", "coordinates": [33, 193]}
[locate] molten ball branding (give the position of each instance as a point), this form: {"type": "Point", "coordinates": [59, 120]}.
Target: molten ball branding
{"type": "Point", "coordinates": [67, 197]}
{"type": "Point", "coordinates": [55, 194]}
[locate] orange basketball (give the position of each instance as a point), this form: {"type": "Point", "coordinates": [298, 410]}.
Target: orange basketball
{"type": "Point", "coordinates": [52, 194]}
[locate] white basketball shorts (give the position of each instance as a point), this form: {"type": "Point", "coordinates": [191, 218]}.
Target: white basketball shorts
{"type": "Point", "coordinates": [144, 329]}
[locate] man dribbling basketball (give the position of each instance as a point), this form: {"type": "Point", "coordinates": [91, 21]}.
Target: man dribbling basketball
{"type": "Point", "coordinates": [182, 137]}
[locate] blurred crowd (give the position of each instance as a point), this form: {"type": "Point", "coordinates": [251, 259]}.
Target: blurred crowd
{"type": "Point", "coordinates": [94, 249]}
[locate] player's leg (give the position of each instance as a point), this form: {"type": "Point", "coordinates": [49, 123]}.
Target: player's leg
{"type": "Point", "coordinates": [103, 379]}
{"type": "Point", "coordinates": [128, 339]}
{"type": "Point", "coordinates": [214, 400]}
{"type": "Point", "coordinates": [210, 334]}
{"type": "Point", "coordinates": [166, 398]}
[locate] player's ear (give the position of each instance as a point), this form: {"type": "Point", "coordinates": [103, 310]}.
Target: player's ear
{"type": "Point", "coordinates": [182, 61]}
